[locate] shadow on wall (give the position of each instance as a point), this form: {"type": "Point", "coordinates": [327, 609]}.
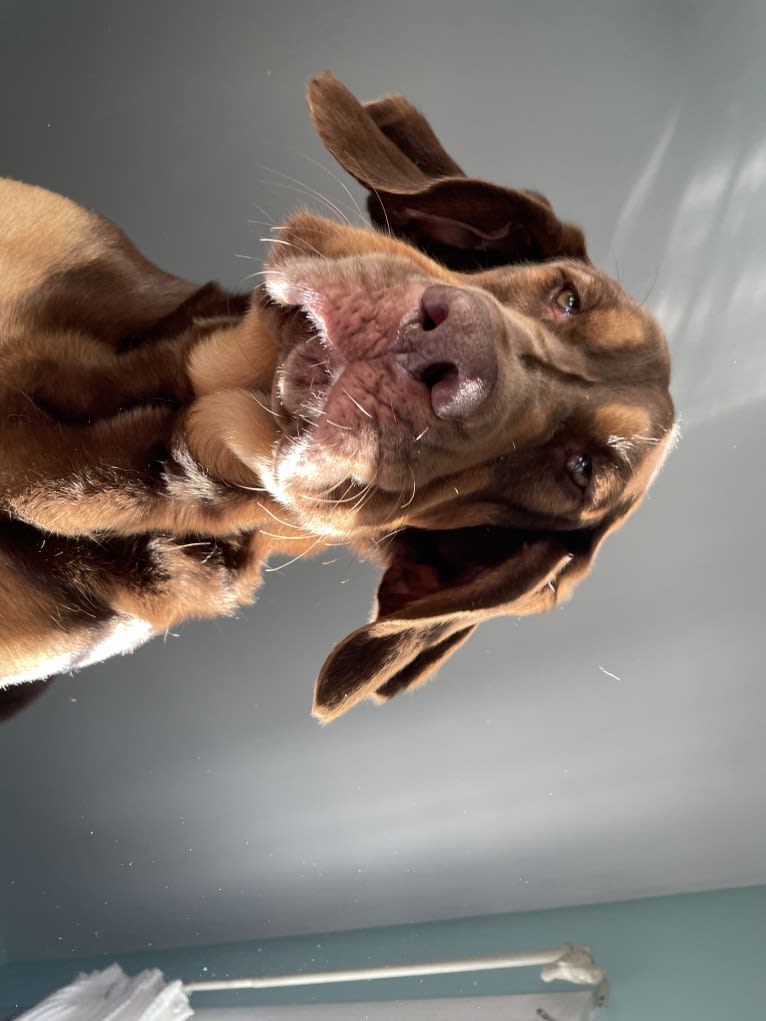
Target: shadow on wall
{"type": "Point", "coordinates": [693, 229]}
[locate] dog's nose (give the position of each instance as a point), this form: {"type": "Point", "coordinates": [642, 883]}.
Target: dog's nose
{"type": "Point", "coordinates": [448, 344]}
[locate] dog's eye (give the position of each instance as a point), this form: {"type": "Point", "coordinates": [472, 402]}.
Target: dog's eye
{"type": "Point", "coordinates": [566, 302]}
{"type": "Point", "coordinates": [580, 470]}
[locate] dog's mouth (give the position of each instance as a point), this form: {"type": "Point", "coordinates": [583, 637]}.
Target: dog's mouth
{"type": "Point", "coordinates": [381, 386]}
{"type": "Point", "coordinates": [309, 367]}
{"type": "Point", "coordinates": [346, 402]}
{"type": "Point", "coordinates": [372, 351]}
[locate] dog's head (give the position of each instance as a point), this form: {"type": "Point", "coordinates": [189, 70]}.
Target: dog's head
{"type": "Point", "coordinates": [460, 395]}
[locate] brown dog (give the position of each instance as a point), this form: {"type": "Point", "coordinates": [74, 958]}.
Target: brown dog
{"type": "Point", "coordinates": [460, 396]}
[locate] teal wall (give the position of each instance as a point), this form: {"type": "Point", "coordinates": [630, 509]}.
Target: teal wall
{"type": "Point", "coordinates": [694, 957]}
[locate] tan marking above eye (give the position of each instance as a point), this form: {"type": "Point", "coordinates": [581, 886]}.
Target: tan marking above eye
{"type": "Point", "coordinates": [621, 420]}
{"type": "Point", "coordinates": [616, 328]}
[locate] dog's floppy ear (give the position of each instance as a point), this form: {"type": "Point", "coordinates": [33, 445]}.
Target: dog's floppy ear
{"type": "Point", "coordinates": [418, 192]}
{"type": "Point", "coordinates": [438, 585]}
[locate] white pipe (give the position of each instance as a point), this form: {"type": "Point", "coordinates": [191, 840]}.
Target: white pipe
{"type": "Point", "coordinates": [587, 972]}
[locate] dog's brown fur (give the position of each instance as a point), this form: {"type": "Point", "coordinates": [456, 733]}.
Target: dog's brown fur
{"type": "Point", "coordinates": [428, 394]}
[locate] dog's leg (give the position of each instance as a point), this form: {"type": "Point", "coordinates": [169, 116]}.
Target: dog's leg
{"type": "Point", "coordinates": [135, 472]}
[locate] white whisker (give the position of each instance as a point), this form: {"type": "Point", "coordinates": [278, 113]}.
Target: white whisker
{"type": "Point", "coordinates": [288, 538]}
{"type": "Point", "coordinates": [388, 535]}
{"type": "Point", "coordinates": [279, 241]}
{"type": "Point", "coordinates": [304, 189]}
{"type": "Point", "coordinates": [414, 486]}
{"type": "Point", "coordinates": [342, 183]}
{"type": "Point", "coordinates": [287, 524]}
{"type": "Point", "coordinates": [249, 489]}
{"type": "Point", "coordinates": [264, 212]}
{"type": "Point", "coordinates": [260, 404]}
{"type": "Point", "coordinates": [258, 272]}
{"type": "Point", "coordinates": [304, 553]}
{"type": "Point", "coordinates": [356, 402]}
{"type": "Point", "coordinates": [382, 206]}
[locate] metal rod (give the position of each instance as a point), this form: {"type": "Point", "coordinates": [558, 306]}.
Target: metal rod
{"type": "Point", "coordinates": [530, 959]}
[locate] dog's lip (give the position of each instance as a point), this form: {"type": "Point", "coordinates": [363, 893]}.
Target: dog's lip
{"type": "Point", "coordinates": [285, 290]}
{"type": "Point", "coordinates": [305, 338]}
{"type": "Point", "coordinates": [296, 295]}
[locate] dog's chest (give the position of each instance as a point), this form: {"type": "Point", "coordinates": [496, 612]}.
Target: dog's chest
{"type": "Point", "coordinates": [116, 638]}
